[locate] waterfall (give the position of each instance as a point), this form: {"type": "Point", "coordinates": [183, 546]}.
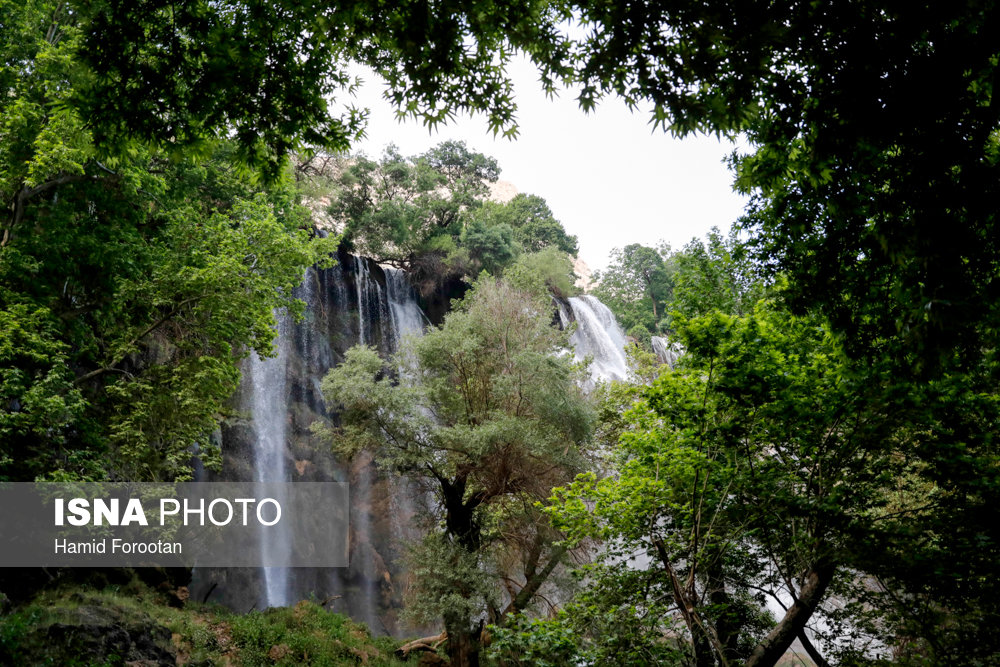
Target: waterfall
{"type": "Point", "coordinates": [598, 336]}
{"type": "Point", "coordinates": [372, 305]}
{"type": "Point", "coordinates": [407, 320]}
{"type": "Point", "coordinates": [406, 315]}
{"type": "Point", "coordinates": [268, 403]}
{"type": "Point", "coordinates": [666, 352]}
{"type": "Point", "coordinates": [355, 301]}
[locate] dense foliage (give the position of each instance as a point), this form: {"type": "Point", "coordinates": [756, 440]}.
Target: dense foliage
{"type": "Point", "coordinates": [833, 440]}
{"type": "Point", "coordinates": [431, 215]}
{"type": "Point", "coordinates": [770, 468]}
{"type": "Point", "coordinates": [757, 466]}
{"type": "Point", "coordinates": [652, 291]}
{"type": "Point", "coordinates": [131, 282]}
{"type": "Point", "coordinates": [874, 194]}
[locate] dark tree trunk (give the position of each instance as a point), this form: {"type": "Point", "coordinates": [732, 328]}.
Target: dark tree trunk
{"type": "Point", "coordinates": [727, 625]}
{"type": "Point", "coordinates": [463, 645]}
{"type": "Point", "coordinates": [463, 527]}
{"type": "Point", "coordinates": [460, 514]}
{"type": "Point", "coordinates": [769, 651]}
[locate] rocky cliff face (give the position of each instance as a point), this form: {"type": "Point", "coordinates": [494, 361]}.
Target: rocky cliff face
{"type": "Point", "coordinates": [356, 301]}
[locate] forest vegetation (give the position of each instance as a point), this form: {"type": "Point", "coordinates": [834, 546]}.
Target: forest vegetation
{"type": "Point", "coordinates": [827, 443]}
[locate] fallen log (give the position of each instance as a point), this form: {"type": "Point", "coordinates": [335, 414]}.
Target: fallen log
{"type": "Point", "coordinates": [429, 644]}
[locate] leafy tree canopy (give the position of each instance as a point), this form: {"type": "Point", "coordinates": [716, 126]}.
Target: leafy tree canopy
{"type": "Point", "coordinates": [131, 282]}
{"type": "Point", "coordinates": [652, 291]}
{"type": "Point", "coordinates": [430, 215]}
{"type": "Point", "coordinates": [181, 73]}
{"type": "Point", "coordinates": [874, 194]}
{"type": "Point", "coordinates": [532, 221]}
{"type": "Point", "coordinates": [772, 466]}
{"type": "Point", "coordinates": [714, 275]}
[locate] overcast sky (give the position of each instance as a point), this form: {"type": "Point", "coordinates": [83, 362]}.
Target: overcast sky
{"type": "Point", "coordinates": [606, 176]}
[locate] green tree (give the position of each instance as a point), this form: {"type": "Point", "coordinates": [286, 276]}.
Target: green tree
{"type": "Point", "coordinates": [545, 272]}
{"type": "Point", "coordinates": [756, 469]}
{"type": "Point", "coordinates": [636, 285]}
{"type": "Point", "coordinates": [490, 248]}
{"type": "Point", "coordinates": [876, 203]}
{"type": "Point", "coordinates": [410, 212]}
{"type": "Point", "coordinates": [491, 416]}
{"type": "Point", "coordinates": [534, 225]}
{"type": "Point", "coordinates": [130, 284]}
{"type": "Point", "coordinates": [714, 275]}
{"type": "Point", "coordinates": [430, 215]}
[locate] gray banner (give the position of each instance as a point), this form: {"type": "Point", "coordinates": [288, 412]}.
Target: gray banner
{"type": "Point", "coordinates": [217, 524]}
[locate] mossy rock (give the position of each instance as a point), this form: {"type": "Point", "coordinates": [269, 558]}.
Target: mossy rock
{"type": "Point", "coordinates": [88, 635]}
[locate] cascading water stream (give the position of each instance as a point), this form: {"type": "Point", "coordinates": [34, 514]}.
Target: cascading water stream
{"type": "Point", "coordinates": [369, 296]}
{"type": "Point", "coordinates": [371, 302]}
{"type": "Point", "coordinates": [666, 352]}
{"type": "Point", "coordinates": [268, 380]}
{"type": "Point", "coordinates": [598, 336]}
{"type": "Point", "coordinates": [407, 319]}
{"type": "Point", "coordinates": [406, 316]}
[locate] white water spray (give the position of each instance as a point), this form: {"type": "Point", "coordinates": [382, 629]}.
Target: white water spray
{"type": "Point", "coordinates": [599, 336]}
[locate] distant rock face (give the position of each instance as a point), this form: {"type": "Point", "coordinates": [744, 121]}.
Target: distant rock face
{"type": "Point", "coordinates": [502, 191]}
{"type": "Point", "coordinates": [321, 169]}
{"type": "Point", "coordinates": [319, 208]}
{"type": "Point", "coordinates": [584, 278]}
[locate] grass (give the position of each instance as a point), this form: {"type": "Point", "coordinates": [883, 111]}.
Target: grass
{"type": "Point", "coordinates": [72, 626]}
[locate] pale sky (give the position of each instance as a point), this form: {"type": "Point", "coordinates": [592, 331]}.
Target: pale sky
{"type": "Point", "coordinates": [606, 176]}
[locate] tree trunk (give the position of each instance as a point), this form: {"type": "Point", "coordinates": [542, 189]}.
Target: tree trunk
{"type": "Point", "coordinates": [463, 646]}
{"type": "Point", "coordinates": [769, 651]}
{"type": "Point", "coordinates": [700, 643]}
{"type": "Point", "coordinates": [462, 525]}
{"type": "Point", "coordinates": [460, 514]}
{"type": "Point", "coordinates": [727, 625]}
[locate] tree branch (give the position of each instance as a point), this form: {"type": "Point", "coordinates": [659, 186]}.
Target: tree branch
{"type": "Point", "coordinates": [813, 652]}
{"type": "Point", "coordinates": [26, 193]}
{"type": "Point", "coordinates": [148, 330]}
{"type": "Point", "coordinates": [428, 644]}
{"type": "Point", "coordinates": [531, 587]}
